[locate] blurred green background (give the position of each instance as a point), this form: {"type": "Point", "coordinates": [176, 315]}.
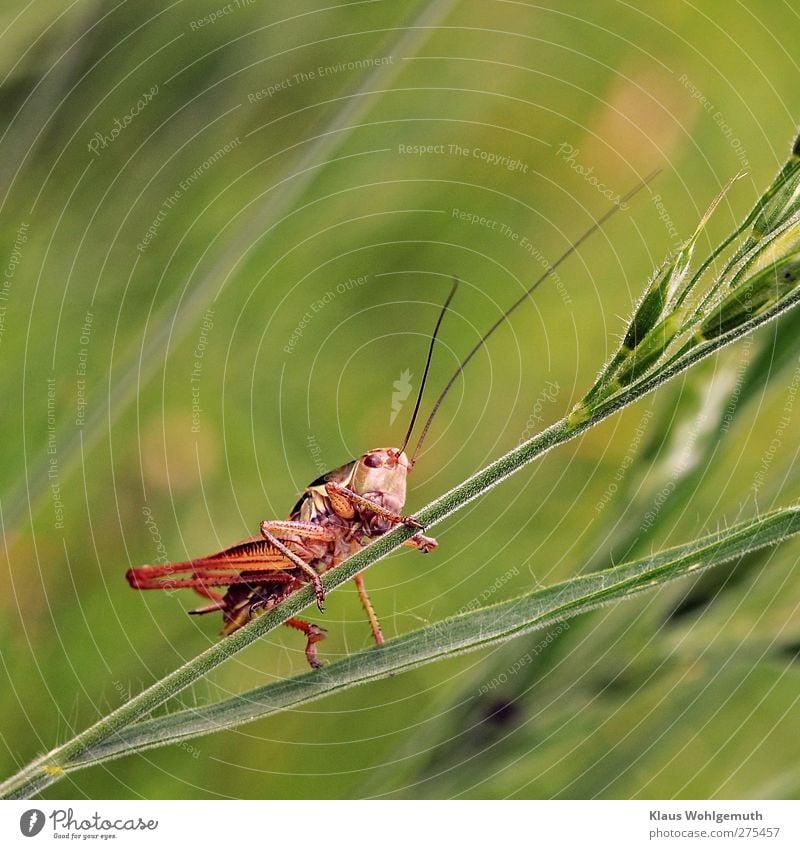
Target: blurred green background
{"type": "Point", "coordinates": [187, 190]}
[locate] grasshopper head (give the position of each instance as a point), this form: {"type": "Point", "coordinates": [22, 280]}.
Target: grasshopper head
{"type": "Point", "coordinates": [381, 474]}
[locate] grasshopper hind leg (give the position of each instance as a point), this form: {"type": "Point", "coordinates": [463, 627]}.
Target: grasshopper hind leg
{"type": "Point", "coordinates": [240, 607]}
{"type": "Point", "coordinates": [314, 634]}
{"type": "Point", "coordinates": [217, 600]}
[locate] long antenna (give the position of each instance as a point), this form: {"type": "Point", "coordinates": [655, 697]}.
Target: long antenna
{"type": "Point", "coordinates": [549, 271]}
{"type": "Point", "coordinates": [428, 364]}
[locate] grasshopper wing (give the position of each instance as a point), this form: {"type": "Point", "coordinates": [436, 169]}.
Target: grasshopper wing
{"type": "Point", "coordinates": [240, 564]}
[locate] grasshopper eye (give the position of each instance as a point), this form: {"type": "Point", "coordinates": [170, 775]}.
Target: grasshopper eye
{"type": "Point", "coordinates": [372, 460]}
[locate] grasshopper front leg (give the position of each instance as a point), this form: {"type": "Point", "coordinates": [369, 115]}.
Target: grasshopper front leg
{"type": "Point", "coordinates": [374, 624]}
{"type": "Point", "coordinates": [344, 501]}
{"type": "Point", "coordinates": [422, 543]}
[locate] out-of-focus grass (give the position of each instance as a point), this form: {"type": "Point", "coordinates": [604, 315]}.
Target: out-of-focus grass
{"type": "Point", "coordinates": [501, 78]}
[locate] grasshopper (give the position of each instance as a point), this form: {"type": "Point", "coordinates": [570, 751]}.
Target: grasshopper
{"type": "Point", "coordinates": [337, 514]}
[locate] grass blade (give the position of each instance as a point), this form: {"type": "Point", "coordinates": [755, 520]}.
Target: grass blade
{"type": "Point", "coordinates": [467, 632]}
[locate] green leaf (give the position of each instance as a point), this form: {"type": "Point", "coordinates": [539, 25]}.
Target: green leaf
{"type": "Point", "coordinates": [467, 632]}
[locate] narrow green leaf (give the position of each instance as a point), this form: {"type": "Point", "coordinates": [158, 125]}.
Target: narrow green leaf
{"type": "Point", "coordinates": [464, 633]}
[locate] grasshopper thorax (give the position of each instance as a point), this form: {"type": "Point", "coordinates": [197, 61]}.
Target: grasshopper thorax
{"type": "Point", "coordinates": [382, 472]}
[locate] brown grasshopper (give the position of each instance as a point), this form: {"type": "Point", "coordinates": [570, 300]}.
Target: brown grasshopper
{"type": "Point", "coordinates": [339, 513]}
